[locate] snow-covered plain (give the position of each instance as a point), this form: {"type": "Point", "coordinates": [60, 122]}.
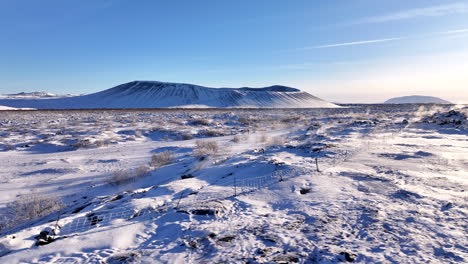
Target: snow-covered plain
{"type": "Point", "coordinates": [367, 184]}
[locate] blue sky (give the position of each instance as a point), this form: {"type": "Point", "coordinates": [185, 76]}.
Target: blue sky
{"type": "Point", "coordinates": [340, 50]}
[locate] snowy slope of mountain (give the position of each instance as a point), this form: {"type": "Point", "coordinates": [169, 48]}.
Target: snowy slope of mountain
{"type": "Point", "coordinates": [417, 99]}
{"type": "Point", "coordinates": [152, 94]}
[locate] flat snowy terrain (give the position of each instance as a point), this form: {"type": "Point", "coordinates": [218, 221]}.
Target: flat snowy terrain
{"type": "Point", "coordinates": [370, 184]}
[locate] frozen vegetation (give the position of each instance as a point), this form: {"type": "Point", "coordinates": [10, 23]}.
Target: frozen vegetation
{"type": "Point", "coordinates": [365, 184]}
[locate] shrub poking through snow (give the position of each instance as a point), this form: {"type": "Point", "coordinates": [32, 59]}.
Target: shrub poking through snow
{"type": "Point", "coordinates": [264, 138]}
{"type": "Point", "coordinates": [162, 159]}
{"type": "Point", "coordinates": [291, 119]}
{"type": "Point", "coordinates": [210, 133]}
{"type": "Point", "coordinates": [29, 207]}
{"type": "Point", "coordinates": [186, 136]}
{"type": "Point", "coordinates": [236, 139]}
{"type": "Point", "coordinates": [121, 177]}
{"type": "Point", "coordinates": [102, 143]}
{"type": "Point", "coordinates": [86, 143]}
{"type": "Point", "coordinates": [276, 141]}
{"type": "Point", "coordinates": [201, 122]}
{"type": "Point", "coordinates": [206, 147]}
{"type": "Point", "coordinates": [142, 171]}
{"type": "Point", "coordinates": [247, 121]}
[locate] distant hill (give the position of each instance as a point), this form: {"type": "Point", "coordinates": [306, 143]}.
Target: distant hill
{"type": "Point", "coordinates": [417, 99]}
{"type": "Point", "coordinates": [33, 95]}
{"type": "Point", "coordinates": [153, 94]}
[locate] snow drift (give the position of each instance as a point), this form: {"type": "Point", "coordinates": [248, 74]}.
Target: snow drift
{"type": "Point", "coordinates": [417, 99]}
{"type": "Point", "coordinates": [152, 94]}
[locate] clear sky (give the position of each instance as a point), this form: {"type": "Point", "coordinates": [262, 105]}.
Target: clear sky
{"type": "Point", "coordinates": [340, 50]}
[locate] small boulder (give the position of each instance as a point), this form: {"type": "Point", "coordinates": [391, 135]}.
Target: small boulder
{"type": "Point", "coordinates": [45, 237]}
{"type": "Point", "coordinates": [186, 176]}
{"type": "Point", "coordinates": [227, 239]}
{"type": "Point", "coordinates": [350, 257]}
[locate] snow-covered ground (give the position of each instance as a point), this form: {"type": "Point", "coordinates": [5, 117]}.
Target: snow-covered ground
{"type": "Point", "coordinates": [12, 108]}
{"type": "Point", "coordinates": [373, 184]}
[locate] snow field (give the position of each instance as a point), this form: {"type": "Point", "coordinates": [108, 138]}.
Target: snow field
{"type": "Point", "coordinates": [386, 191]}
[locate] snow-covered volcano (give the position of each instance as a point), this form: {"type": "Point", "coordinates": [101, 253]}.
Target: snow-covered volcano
{"type": "Point", "coordinates": [152, 94]}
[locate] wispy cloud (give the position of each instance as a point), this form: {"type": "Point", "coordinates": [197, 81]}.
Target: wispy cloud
{"type": "Point", "coordinates": [432, 11]}
{"type": "Point", "coordinates": [373, 41]}
{"type": "Point", "coordinates": [457, 31]}
{"type": "Point", "coordinates": [362, 42]}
